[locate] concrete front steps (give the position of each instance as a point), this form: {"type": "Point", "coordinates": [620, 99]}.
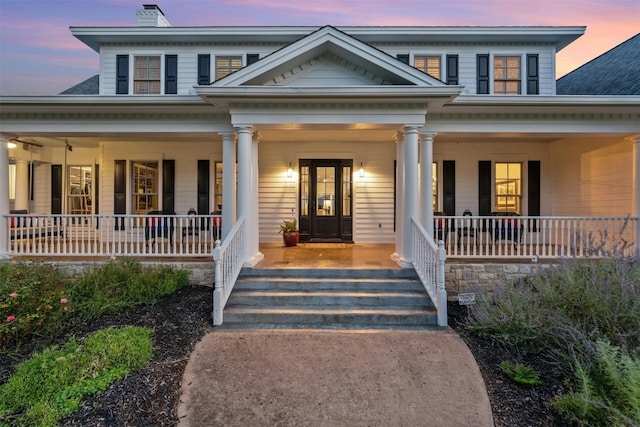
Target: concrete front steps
{"type": "Point", "coordinates": [329, 299]}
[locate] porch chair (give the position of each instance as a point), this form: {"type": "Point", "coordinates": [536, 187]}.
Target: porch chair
{"type": "Point", "coordinates": [192, 229]}
{"type": "Point", "coordinates": [467, 230]}
{"type": "Point", "coordinates": [156, 227]}
{"type": "Point", "coordinates": [506, 227]}
{"type": "Point", "coordinates": [217, 225]}
{"type": "Point", "coordinates": [440, 227]}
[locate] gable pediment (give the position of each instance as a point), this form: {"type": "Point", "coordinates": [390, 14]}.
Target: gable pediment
{"type": "Point", "coordinates": [328, 58]}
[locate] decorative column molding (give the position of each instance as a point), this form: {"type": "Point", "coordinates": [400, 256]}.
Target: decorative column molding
{"type": "Point", "coordinates": [426, 181]}
{"type": "Point", "coordinates": [4, 198]}
{"type": "Point", "coordinates": [229, 202]}
{"type": "Point", "coordinates": [410, 189]}
{"type": "Point", "coordinates": [398, 255]}
{"type": "Point", "coordinates": [245, 161]}
{"type": "Point", "coordinates": [22, 185]}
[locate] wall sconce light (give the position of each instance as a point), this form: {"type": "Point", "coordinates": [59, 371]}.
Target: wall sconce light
{"type": "Point", "coordinates": [289, 171]}
{"type": "Point", "coordinates": [361, 170]}
{"type": "Point", "coordinates": [68, 146]}
{"type": "Point", "coordinates": [11, 144]}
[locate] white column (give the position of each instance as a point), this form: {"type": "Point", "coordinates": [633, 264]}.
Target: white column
{"type": "Point", "coordinates": [229, 212]}
{"type": "Point", "coordinates": [426, 181]}
{"type": "Point", "coordinates": [22, 185]}
{"type": "Point", "coordinates": [245, 160]}
{"type": "Point", "coordinates": [4, 198]}
{"type": "Point", "coordinates": [399, 252]}
{"type": "Point", "coordinates": [636, 189]}
{"type": "Point", "coordinates": [256, 255]}
{"type": "Point", "coordinates": [410, 189]}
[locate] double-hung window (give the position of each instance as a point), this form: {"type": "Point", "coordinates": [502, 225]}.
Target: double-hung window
{"type": "Point", "coordinates": [145, 187]}
{"type": "Point", "coordinates": [226, 65]}
{"type": "Point", "coordinates": [506, 75]}
{"type": "Point", "coordinates": [429, 64]}
{"type": "Point", "coordinates": [508, 187]}
{"type": "Point", "coordinates": [146, 75]}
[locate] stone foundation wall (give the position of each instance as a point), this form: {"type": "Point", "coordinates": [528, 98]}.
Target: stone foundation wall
{"type": "Point", "coordinates": [467, 277]}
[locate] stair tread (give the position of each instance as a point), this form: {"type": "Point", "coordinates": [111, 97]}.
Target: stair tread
{"type": "Point", "coordinates": [345, 293]}
{"type": "Point", "coordinates": [331, 310]}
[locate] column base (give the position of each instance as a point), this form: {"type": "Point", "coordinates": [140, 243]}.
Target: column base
{"type": "Point", "coordinates": [259, 256]}
{"type": "Point", "coordinates": [401, 261]}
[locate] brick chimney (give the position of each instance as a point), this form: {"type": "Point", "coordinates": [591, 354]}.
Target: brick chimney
{"type": "Point", "coordinates": [151, 16]}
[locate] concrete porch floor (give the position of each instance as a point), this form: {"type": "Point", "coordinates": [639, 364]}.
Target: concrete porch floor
{"type": "Point", "coordinates": [327, 255]}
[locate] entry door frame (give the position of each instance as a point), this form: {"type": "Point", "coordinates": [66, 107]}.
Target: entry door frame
{"type": "Point", "coordinates": [323, 228]}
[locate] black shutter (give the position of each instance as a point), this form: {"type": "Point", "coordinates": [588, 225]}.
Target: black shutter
{"type": "Point", "coordinates": [171, 74]}
{"type": "Point", "coordinates": [168, 187]}
{"type": "Point", "coordinates": [122, 74]}
{"type": "Point", "coordinates": [56, 189]}
{"type": "Point", "coordinates": [403, 57]}
{"type": "Point", "coordinates": [120, 190]}
{"type": "Point", "coordinates": [484, 187]}
{"type": "Point", "coordinates": [483, 73]}
{"type": "Point", "coordinates": [96, 189]}
{"type": "Point", "coordinates": [452, 69]}
{"type": "Point", "coordinates": [252, 58]}
{"type": "Point", "coordinates": [533, 87]}
{"type": "Point", "coordinates": [449, 187]}
{"type": "Point", "coordinates": [204, 69]}
{"type": "Point", "coordinates": [203, 187]}
{"type": "Point", "coordinates": [533, 187]}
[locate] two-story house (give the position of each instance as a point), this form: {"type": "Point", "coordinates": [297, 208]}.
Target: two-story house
{"type": "Point", "coordinates": [354, 132]}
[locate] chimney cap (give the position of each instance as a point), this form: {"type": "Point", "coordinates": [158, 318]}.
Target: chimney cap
{"type": "Point", "coordinates": [153, 6]}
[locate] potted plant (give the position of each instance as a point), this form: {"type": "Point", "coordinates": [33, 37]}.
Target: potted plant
{"type": "Point", "coordinates": [290, 232]}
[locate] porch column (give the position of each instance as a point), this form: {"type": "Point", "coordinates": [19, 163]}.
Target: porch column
{"type": "Point", "coordinates": [229, 201]}
{"type": "Point", "coordinates": [426, 181]}
{"type": "Point", "coordinates": [247, 183]}
{"type": "Point", "coordinates": [398, 255]}
{"type": "Point", "coordinates": [410, 189]}
{"type": "Point", "coordinates": [4, 198]}
{"type": "Point", "coordinates": [636, 189]}
{"type": "Point", "coordinates": [22, 185]}
{"type": "Point", "coordinates": [257, 256]}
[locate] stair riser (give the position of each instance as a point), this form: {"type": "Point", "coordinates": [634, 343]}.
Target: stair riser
{"type": "Point", "coordinates": [399, 273]}
{"type": "Point", "coordinates": [315, 300]}
{"type": "Point", "coordinates": [374, 319]}
{"type": "Point", "coordinates": [324, 285]}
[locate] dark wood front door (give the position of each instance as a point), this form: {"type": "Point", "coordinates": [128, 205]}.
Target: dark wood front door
{"type": "Point", "coordinates": [325, 200]}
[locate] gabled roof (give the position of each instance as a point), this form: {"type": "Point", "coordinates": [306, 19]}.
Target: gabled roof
{"type": "Point", "coordinates": [354, 62]}
{"type": "Point", "coordinates": [91, 86]}
{"type": "Point", "coordinates": [616, 72]}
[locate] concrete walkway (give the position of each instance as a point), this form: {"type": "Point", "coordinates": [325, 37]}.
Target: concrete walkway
{"type": "Point", "coordinates": [333, 378]}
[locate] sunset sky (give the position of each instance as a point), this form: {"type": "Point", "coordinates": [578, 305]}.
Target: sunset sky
{"type": "Point", "coordinates": [39, 56]}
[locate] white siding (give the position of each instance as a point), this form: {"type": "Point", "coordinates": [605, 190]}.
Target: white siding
{"type": "Point", "coordinates": [592, 177]}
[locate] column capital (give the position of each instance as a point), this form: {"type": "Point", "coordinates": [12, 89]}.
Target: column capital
{"type": "Point", "coordinates": [428, 134]}
{"type": "Point", "coordinates": [411, 129]}
{"type": "Point", "coordinates": [227, 134]}
{"type": "Point", "coordinates": [244, 129]}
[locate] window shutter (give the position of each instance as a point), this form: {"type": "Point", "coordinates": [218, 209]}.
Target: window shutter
{"type": "Point", "coordinates": [452, 69]}
{"type": "Point", "coordinates": [96, 189]}
{"type": "Point", "coordinates": [483, 74]}
{"type": "Point", "coordinates": [120, 190]}
{"type": "Point", "coordinates": [252, 58]}
{"type": "Point", "coordinates": [403, 57]}
{"type": "Point", "coordinates": [533, 87]}
{"type": "Point", "coordinates": [204, 69]}
{"type": "Point", "coordinates": [122, 74]}
{"type": "Point", "coordinates": [171, 74]}
{"type": "Point", "coordinates": [449, 187]}
{"type": "Point", "coordinates": [56, 189]}
{"type": "Point", "coordinates": [168, 187]}
{"type": "Point", "coordinates": [484, 187]}
{"type": "Point", "coordinates": [533, 187]}
{"type": "Point", "coordinates": [203, 187]}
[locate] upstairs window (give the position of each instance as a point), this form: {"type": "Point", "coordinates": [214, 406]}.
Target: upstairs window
{"type": "Point", "coordinates": [226, 65]}
{"type": "Point", "coordinates": [508, 187]}
{"type": "Point", "coordinates": [506, 75]}
{"type": "Point", "coordinates": [146, 75]}
{"type": "Point", "coordinates": [428, 64]}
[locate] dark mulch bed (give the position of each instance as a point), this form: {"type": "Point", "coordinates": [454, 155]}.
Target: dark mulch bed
{"type": "Point", "coordinates": [150, 396]}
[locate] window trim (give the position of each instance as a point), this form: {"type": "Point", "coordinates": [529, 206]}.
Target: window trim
{"type": "Point", "coordinates": [241, 55]}
{"type": "Point", "coordinates": [161, 59]}
{"type": "Point", "coordinates": [427, 55]}
{"type": "Point", "coordinates": [521, 72]}
{"type": "Point", "coordinates": [523, 183]}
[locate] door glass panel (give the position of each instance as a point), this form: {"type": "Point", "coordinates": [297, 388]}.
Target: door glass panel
{"type": "Point", "coordinates": [346, 190]}
{"type": "Point", "coordinates": [304, 190]}
{"type": "Point", "coordinates": [325, 191]}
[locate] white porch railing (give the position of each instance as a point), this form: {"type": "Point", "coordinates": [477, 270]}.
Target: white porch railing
{"type": "Point", "coordinates": [227, 257]}
{"type": "Point", "coordinates": [536, 237]}
{"type": "Point", "coordinates": [112, 235]}
{"type": "Point", "coordinates": [429, 265]}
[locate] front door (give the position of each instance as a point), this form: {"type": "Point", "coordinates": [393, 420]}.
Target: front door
{"type": "Point", "coordinates": [325, 200]}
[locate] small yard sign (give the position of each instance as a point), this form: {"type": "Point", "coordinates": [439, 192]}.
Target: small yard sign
{"type": "Point", "coordinates": [468, 298]}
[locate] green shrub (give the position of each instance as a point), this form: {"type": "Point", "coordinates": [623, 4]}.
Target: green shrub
{"type": "Point", "coordinates": [519, 373]}
{"type": "Point", "coordinates": [51, 385]}
{"type": "Point", "coordinates": [607, 394]}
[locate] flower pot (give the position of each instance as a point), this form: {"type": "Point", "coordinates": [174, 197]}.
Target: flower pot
{"type": "Point", "coordinates": [291, 237]}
